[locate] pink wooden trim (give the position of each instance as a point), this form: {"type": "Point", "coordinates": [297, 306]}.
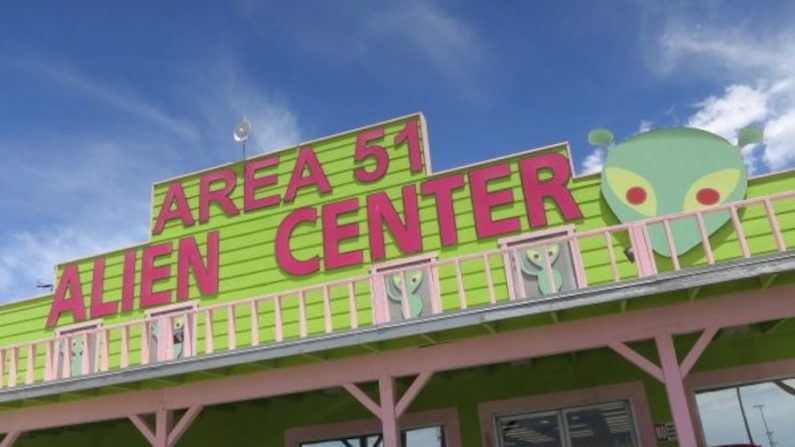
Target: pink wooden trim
{"type": "Point", "coordinates": [638, 360]}
{"type": "Point", "coordinates": [66, 366]}
{"type": "Point", "coordinates": [702, 230]}
{"type": "Point", "coordinates": [644, 258]}
{"type": "Point", "coordinates": [125, 346]}
{"type": "Point", "coordinates": [489, 279]}
{"type": "Point", "coordinates": [146, 336]}
{"type": "Point", "coordinates": [231, 323]}
{"type": "Point", "coordinates": [105, 351]}
{"type": "Point", "coordinates": [10, 439]}
{"type": "Point", "coordinates": [579, 265]}
{"type": "Point", "coordinates": [143, 427]}
{"type": "Point", "coordinates": [412, 392]}
{"type": "Point", "coordinates": [85, 359]}
{"type": "Point", "coordinates": [254, 323]}
{"type": "Point", "coordinates": [389, 422]}
{"type": "Point", "coordinates": [738, 230]}
{"type": "Point", "coordinates": [517, 260]}
{"type": "Point", "coordinates": [163, 419]}
{"type": "Point", "coordinates": [771, 217]}
{"type": "Point", "coordinates": [12, 368]}
{"type": "Point", "coordinates": [445, 417]}
{"type": "Point", "coordinates": [611, 254]}
{"type": "Point", "coordinates": [634, 392]}
{"type": "Point", "coordinates": [352, 303]}
{"type": "Point", "coordinates": [327, 310]}
{"type": "Point", "coordinates": [302, 330]}
{"type": "Point", "coordinates": [462, 300]}
{"type": "Point", "coordinates": [644, 230]}
{"type": "Point", "coordinates": [185, 306]}
{"type": "Point", "coordinates": [675, 390]}
{"type": "Point", "coordinates": [548, 266]}
{"type": "Point", "coordinates": [695, 352]}
{"type": "Point", "coordinates": [506, 261]}
{"type": "Point", "coordinates": [48, 362]}
{"type": "Point", "coordinates": [363, 398]}
{"type": "Point", "coordinates": [669, 238]}
{"type": "Point", "coordinates": [730, 310]}
{"type": "Point", "coordinates": [208, 331]}
{"type": "Point", "coordinates": [30, 368]}
{"type": "Point", "coordinates": [278, 324]}
{"type": "Point", "coordinates": [182, 426]}
{"type": "Point", "coordinates": [2, 366]}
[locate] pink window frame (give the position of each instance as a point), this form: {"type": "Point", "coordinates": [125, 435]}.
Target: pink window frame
{"type": "Point", "coordinates": [446, 417]}
{"type": "Point", "coordinates": [634, 392]}
{"type": "Point", "coordinates": [379, 304]}
{"type": "Point", "coordinates": [733, 376]}
{"type": "Point", "coordinates": [563, 230]}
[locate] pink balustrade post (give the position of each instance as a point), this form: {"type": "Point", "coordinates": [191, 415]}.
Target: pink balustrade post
{"type": "Point", "coordinates": [85, 359]}
{"type": "Point", "coordinates": [462, 300]}
{"type": "Point", "coordinates": [489, 279]}
{"type": "Point", "coordinates": [10, 439]}
{"type": "Point", "coordinates": [548, 266]}
{"type": "Point", "coordinates": [254, 323]}
{"type": "Point", "coordinates": [209, 345]}
{"type": "Point", "coordinates": [644, 257]}
{"type": "Point", "coordinates": [771, 218]}
{"type": "Point", "coordinates": [188, 332]}
{"type": "Point", "coordinates": [738, 229]}
{"type": "Point", "coordinates": [327, 310]}
{"type": "Point", "coordinates": [125, 347]}
{"type": "Point", "coordinates": [389, 422]}
{"type": "Point", "coordinates": [104, 361]}
{"type": "Point", "coordinates": [278, 325]}
{"type": "Point", "coordinates": [669, 238]}
{"type": "Point", "coordinates": [702, 230]}
{"type": "Point", "coordinates": [611, 255]}
{"type": "Point", "coordinates": [436, 294]}
{"type": "Point", "coordinates": [517, 259]}
{"type": "Point", "coordinates": [12, 367]}
{"type": "Point", "coordinates": [302, 326]}
{"type": "Point", "coordinates": [66, 366]}
{"type": "Point", "coordinates": [30, 368]}
{"type": "Point", "coordinates": [48, 361]}
{"type": "Point", "coordinates": [352, 304]}
{"type": "Point", "coordinates": [506, 260]}
{"type": "Point", "coordinates": [231, 332]}
{"type": "Point", "coordinates": [145, 341]}
{"type": "Point", "coordinates": [675, 389]}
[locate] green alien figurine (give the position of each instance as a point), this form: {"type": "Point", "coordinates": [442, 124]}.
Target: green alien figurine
{"type": "Point", "coordinates": [76, 368]}
{"type": "Point", "coordinates": [540, 270]}
{"type": "Point", "coordinates": [395, 292]}
{"type": "Point", "coordinates": [670, 171]}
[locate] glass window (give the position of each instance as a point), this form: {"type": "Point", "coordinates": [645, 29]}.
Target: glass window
{"type": "Point", "coordinates": [543, 268]}
{"type": "Point", "coordinates": [418, 437]}
{"type": "Point", "coordinates": [760, 414]}
{"type": "Point", "coordinates": [608, 424]}
{"type": "Point", "coordinates": [408, 288]}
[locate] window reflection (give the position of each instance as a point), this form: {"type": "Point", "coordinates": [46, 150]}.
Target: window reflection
{"type": "Point", "coordinates": [738, 415]}
{"type": "Point", "coordinates": [419, 437]}
{"type": "Point", "coordinates": [609, 424]}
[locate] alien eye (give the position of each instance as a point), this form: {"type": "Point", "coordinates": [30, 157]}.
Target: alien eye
{"type": "Point", "coordinates": [712, 189]}
{"type": "Point", "coordinates": [707, 196]}
{"type": "Point", "coordinates": [636, 195]}
{"type": "Point", "coordinates": [632, 189]}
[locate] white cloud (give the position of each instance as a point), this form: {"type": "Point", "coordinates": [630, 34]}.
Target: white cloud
{"type": "Point", "coordinates": [645, 126]}
{"type": "Point", "coordinates": [593, 162]}
{"type": "Point", "coordinates": [759, 73]}
{"type": "Point", "coordinates": [68, 195]}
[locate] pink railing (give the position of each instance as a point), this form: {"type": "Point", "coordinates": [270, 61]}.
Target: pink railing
{"type": "Point", "coordinates": [484, 278]}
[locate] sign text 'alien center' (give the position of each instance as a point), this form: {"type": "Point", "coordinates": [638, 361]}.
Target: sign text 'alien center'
{"type": "Point", "coordinates": [340, 293]}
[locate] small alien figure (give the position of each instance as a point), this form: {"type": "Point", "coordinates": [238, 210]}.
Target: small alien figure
{"type": "Point", "coordinates": [539, 267]}
{"type": "Point", "coordinates": [394, 292]}
{"type": "Point", "coordinates": [177, 337]}
{"type": "Point", "coordinates": [77, 358]}
{"type": "Point", "coordinates": [670, 171]}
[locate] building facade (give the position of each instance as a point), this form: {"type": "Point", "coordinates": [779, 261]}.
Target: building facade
{"type": "Point", "coordinates": [342, 293]}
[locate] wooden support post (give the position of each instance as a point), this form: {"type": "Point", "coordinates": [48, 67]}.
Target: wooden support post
{"type": "Point", "coordinates": [165, 432]}
{"type": "Point", "coordinates": [389, 409]}
{"type": "Point", "coordinates": [10, 439]}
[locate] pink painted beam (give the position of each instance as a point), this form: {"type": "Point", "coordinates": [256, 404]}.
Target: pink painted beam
{"type": "Point", "coordinates": [278, 324]}
{"type": "Point", "coordinates": [702, 230]}
{"type": "Point", "coordinates": [144, 428]}
{"type": "Point", "coordinates": [489, 279]}
{"type": "Point", "coordinates": [363, 398]}
{"type": "Point", "coordinates": [638, 360]}
{"type": "Point", "coordinates": [352, 304]}
{"type": "Point", "coordinates": [30, 368]}
{"type": "Point", "coordinates": [182, 426]}
{"type": "Point", "coordinates": [462, 300]}
{"type": "Point", "coordinates": [327, 311]}
{"type": "Point", "coordinates": [125, 347]}
{"type": "Point", "coordinates": [411, 393]}
{"type": "Point", "coordinates": [738, 229]}
{"type": "Point", "coordinates": [231, 331]}
{"type": "Point", "coordinates": [695, 352]}
{"type": "Point", "coordinates": [10, 439]}
{"type": "Point", "coordinates": [389, 422]}
{"type": "Point", "coordinates": [674, 388]}
{"type": "Point", "coordinates": [771, 217]}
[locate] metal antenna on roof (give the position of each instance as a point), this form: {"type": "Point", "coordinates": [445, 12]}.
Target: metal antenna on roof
{"type": "Point", "coordinates": [41, 285]}
{"type": "Point", "coordinates": [241, 133]}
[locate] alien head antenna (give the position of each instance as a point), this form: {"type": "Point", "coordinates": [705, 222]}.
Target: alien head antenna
{"type": "Point", "coordinates": [241, 133]}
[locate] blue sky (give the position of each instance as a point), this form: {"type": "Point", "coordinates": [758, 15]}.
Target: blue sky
{"type": "Point", "coordinates": [99, 100]}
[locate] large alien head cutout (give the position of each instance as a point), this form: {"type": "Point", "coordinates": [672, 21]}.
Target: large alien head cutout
{"type": "Point", "coordinates": [670, 171]}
